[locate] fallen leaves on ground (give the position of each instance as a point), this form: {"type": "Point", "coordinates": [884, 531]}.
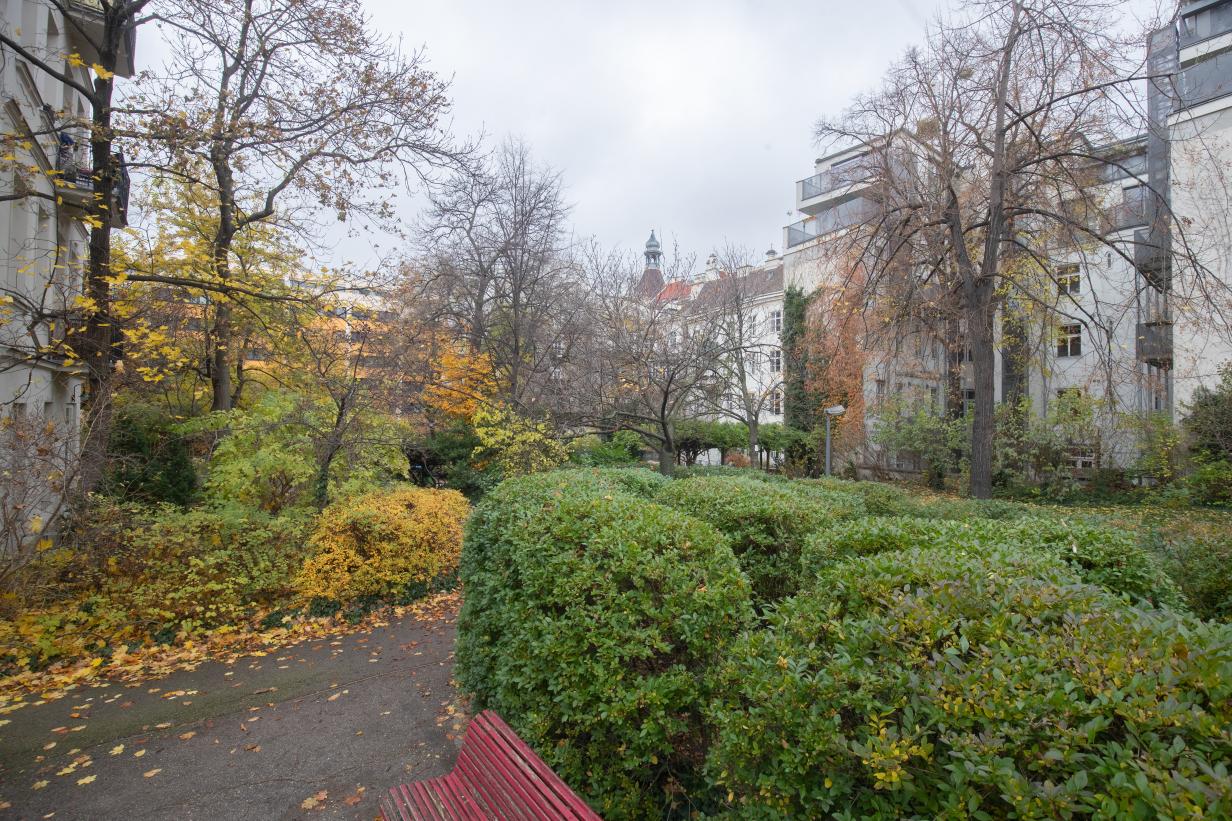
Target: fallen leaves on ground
{"type": "Point", "coordinates": [228, 644]}
{"type": "Point", "coordinates": [152, 773]}
{"type": "Point", "coordinates": [315, 800]}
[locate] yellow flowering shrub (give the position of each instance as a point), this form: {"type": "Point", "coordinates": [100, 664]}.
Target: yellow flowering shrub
{"type": "Point", "coordinates": [383, 542]}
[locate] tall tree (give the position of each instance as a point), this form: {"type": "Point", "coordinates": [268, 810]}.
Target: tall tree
{"type": "Point", "coordinates": [498, 263]}
{"type": "Point", "coordinates": [648, 359]}
{"type": "Point", "coordinates": [749, 372]}
{"type": "Point", "coordinates": [982, 163]}
{"type": "Point", "coordinates": [291, 108]}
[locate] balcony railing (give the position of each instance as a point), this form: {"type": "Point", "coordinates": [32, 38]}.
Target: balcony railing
{"type": "Point", "coordinates": [1134, 209]}
{"type": "Point", "coordinates": [852, 212]}
{"type": "Point", "coordinates": [848, 173]}
{"type": "Point", "coordinates": [1206, 24]}
{"type": "Point", "coordinates": [1155, 342]}
{"type": "Point", "coordinates": [1206, 80]}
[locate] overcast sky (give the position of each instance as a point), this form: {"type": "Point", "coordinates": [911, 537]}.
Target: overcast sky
{"type": "Point", "coordinates": [693, 118]}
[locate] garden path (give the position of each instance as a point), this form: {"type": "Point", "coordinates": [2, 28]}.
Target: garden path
{"type": "Point", "coordinates": [316, 730]}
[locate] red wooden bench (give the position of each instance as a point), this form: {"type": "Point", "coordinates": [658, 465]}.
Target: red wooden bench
{"type": "Point", "coordinates": [496, 777]}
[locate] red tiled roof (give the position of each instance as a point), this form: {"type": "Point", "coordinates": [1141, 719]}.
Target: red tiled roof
{"type": "Point", "coordinates": [675, 290]}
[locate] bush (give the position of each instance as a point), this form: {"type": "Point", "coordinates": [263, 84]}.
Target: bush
{"type": "Point", "coordinates": [590, 621]}
{"type": "Point", "coordinates": [765, 523]}
{"type": "Point", "coordinates": [880, 499]}
{"type": "Point", "coordinates": [624, 447]}
{"type": "Point", "coordinates": [1200, 565]}
{"type": "Point", "coordinates": [381, 543]}
{"type": "Point", "coordinates": [972, 509]}
{"type": "Point", "coordinates": [726, 471]}
{"type": "Point", "coordinates": [1210, 484]}
{"type": "Point", "coordinates": [938, 683]}
{"type": "Point", "coordinates": [1101, 555]}
{"type": "Point", "coordinates": [148, 462]}
{"type": "Point", "coordinates": [134, 573]}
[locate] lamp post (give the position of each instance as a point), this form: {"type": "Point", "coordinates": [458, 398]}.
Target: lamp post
{"type": "Point", "coordinates": [835, 410]}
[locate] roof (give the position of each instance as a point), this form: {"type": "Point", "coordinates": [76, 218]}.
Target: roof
{"type": "Point", "coordinates": [680, 289]}
{"type": "Point", "coordinates": [757, 282]}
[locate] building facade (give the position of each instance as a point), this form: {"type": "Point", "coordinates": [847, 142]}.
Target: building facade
{"type": "Point", "coordinates": [47, 187]}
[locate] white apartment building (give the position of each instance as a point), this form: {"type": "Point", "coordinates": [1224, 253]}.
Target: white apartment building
{"type": "Point", "coordinates": [1125, 327]}
{"type": "Point", "coordinates": [47, 163]}
{"type": "Point", "coordinates": [755, 293]}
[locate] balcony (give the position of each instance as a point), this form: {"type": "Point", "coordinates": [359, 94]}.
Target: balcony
{"type": "Point", "coordinates": [76, 186]}
{"type": "Point", "coordinates": [1206, 80]}
{"type": "Point", "coordinates": [844, 215]}
{"type": "Point", "coordinates": [1205, 24]}
{"type": "Point", "coordinates": [852, 172]}
{"type": "Point", "coordinates": [1155, 342]}
{"type": "Point", "coordinates": [1152, 257]}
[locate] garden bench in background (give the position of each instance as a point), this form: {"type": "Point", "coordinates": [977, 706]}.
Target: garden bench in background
{"type": "Point", "coordinates": [496, 777]}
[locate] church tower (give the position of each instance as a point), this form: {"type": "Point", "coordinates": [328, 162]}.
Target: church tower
{"type": "Point", "coordinates": [654, 256]}
{"type": "Point", "coordinates": [652, 278]}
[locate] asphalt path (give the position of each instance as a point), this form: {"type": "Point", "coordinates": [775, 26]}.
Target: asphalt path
{"type": "Point", "coordinates": [316, 730]}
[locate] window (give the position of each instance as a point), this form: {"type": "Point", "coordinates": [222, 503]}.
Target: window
{"type": "Point", "coordinates": [1069, 341]}
{"type": "Point", "coordinates": [776, 321]}
{"type": "Point", "coordinates": [968, 401]}
{"type": "Point", "coordinates": [776, 401]}
{"type": "Point", "coordinates": [19, 410]}
{"type": "Point", "coordinates": [881, 389]}
{"type": "Point", "coordinates": [1069, 280]}
{"type": "Point", "coordinates": [934, 397]}
{"type": "Point", "coordinates": [776, 361]}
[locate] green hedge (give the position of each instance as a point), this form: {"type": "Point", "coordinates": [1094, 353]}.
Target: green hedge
{"type": "Point", "coordinates": [942, 683]}
{"type": "Point", "coordinates": [591, 621]}
{"type": "Point", "coordinates": [765, 523]}
{"type": "Point", "coordinates": [1104, 556]}
{"type": "Point", "coordinates": [880, 499]}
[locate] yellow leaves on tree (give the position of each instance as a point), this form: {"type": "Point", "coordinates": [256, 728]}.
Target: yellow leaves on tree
{"type": "Point", "coordinates": [460, 380]}
{"type": "Point", "coordinates": [383, 543]}
{"type": "Point", "coordinates": [516, 445]}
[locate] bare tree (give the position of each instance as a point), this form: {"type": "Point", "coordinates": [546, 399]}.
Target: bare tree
{"type": "Point", "coordinates": [501, 269]}
{"type": "Point", "coordinates": [748, 373]}
{"type": "Point", "coordinates": [984, 148]}
{"type": "Point", "coordinates": [648, 358]}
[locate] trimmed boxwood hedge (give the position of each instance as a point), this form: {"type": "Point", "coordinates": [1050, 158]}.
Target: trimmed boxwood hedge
{"type": "Point", "coordinates": [591, 621]}
{"type": "Point", "coordinates": [1104, 556]}
{"type": "Point", "coordinates": [942, 683]}
{"type": "Point", "coordinates": [766, 525]}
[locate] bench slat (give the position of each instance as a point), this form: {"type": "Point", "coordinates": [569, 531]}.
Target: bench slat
{"type": "Point", "coordinates": [497, 777]}
{"type": "Point", "coordinates": [514, 773]}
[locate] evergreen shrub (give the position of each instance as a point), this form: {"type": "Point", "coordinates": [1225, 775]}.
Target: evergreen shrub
{"type": "Point", "coordinates": [1105, 556]}
{"type": "Point", "coordinates": [942, 683]}
{"type": "Point", "coordinates": [591, 621]}
{"type": "Point", "coordinates": [766, 524]}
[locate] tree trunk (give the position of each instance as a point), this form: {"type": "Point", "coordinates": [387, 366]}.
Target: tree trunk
{"type": "Point", "coordinates": [752, 424]}
{"type": "Point", "coordinates": [224, 237]}
{"type": "Point", "coordinates": [220, 369]}
{"type": "Point", "coordinates": [979, 324]}
{"type": "Point", "coordinates": [667, 461]}
{"type": "Point", "coordinates": [99, 335]}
